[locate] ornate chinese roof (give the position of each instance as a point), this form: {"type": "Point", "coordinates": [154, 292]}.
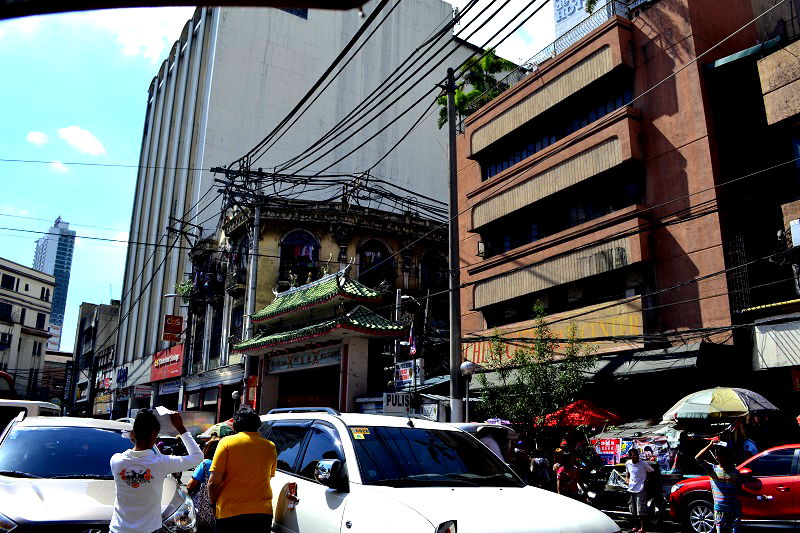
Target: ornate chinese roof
{"type": "Point", "coordinates": [360, 322]}
{"type": "Point", "coordinates": [331, 289]}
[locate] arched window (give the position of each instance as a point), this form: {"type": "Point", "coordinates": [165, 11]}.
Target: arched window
{"type": "Point", "coordinates": [299, 256]}
{"type": "Point", "coordinates": [433, 271]}
{"type": "Point", "coordinates": [375, 264]}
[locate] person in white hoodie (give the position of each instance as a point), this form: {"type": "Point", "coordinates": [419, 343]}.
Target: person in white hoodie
{"type": "Point", "coordinates": [139, 474]}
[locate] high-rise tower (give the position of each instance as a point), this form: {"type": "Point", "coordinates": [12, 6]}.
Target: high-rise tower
{"type": "Point", "coordinates": [54, 256]}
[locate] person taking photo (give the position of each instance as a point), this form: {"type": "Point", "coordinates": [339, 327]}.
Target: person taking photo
{"type": "Point", "coordinates": [139, 474]}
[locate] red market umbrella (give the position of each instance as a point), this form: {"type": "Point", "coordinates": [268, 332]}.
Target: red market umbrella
{"type": "Point", "coordinates": [580, 413]}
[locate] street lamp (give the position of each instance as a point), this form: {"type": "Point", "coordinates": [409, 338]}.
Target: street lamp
{"type": "Point", "coordinates": [468, 368]}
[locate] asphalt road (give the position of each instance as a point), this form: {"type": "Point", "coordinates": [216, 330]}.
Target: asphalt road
{"type": "Point", "coordinates": [627, 525]}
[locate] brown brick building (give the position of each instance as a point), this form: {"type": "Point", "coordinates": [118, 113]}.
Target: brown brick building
{"type": "Point", "coordinates": [590, 186]}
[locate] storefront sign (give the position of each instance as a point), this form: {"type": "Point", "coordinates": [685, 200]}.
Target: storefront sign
{"type": "Point", "coordinates": [608, 450]}
{"type": "Point", "coordinates": [431, 410]}
{"type": "Point", "coordinates": [69, 382]}
{"type": "Point", "coordinates": [102, 404]}
{"type": "Point", "coordinates": [396, 402]}
{"type": "Point", "coordinates": [142, 391]}
{"type": "Point", "coordinates": [568, 13]}
{"type": "Point", "coordinates": [122, 376]}
{"type": "Point", "coordinates": [173, 328]}
{"type": "Point", "coordinates": [169, 387]}
{"type": "Point", "coordinates": [408, 373]}
{"type": "Point", "coordinates": [123, 393]}
{"type": "Point", "coordinates": [304, 360]}
{"type": "Point", "coordinates": [167, 364]}
{"type": "Point", "coordinates": [602, 320]}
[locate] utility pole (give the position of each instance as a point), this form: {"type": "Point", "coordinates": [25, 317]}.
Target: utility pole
{"type": "Point", "coordinates": [251, 293]}
{"type": "Point", "coordinates": [456, 410]}
{"type": "Point", "coordinates": [397, 302]}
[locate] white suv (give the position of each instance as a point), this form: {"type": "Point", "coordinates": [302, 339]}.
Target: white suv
{"type": "Point", "coordinates": [347, 472]}
{"type": "Point", "coordinates": [55, 475]}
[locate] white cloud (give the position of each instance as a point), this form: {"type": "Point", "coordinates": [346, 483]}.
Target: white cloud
{"type": "Point", "coordinates": [58, 166]}
{"type": "Point", "coordinates": [36, 137]}
{"type": "Point", "coordinates": [13, 210]}
{"type": "Point", "coordinates": [122, 238]}
{"type": "Point", "coordinates": [532, 37]}
{"type": "Point", "coordinates": [148, 32]}
{"type": "Point", "coordinates": [82, 140]}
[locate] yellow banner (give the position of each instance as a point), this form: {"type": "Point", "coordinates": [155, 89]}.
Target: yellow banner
{"type": "Point", "coordinates": [602, 320]}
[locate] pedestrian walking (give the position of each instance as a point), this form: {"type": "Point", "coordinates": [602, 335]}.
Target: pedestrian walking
{"type": "Point", "coordinates": [726, 483]}
{"type": "Point", "coordinates": [568, 477]}
{"type": "Point", "coordinates": [636, 472]}
{"type": "Point", "coordinates": [139, 474]}
{"type": "Point", "coordinates": [198, 488]}
{"type": "Point", "coordinates": [239, 484]}
{"type": "Point", "coordinates": [540, 470]}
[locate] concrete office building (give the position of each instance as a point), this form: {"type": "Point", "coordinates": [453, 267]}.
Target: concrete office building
{"type": "Point", "coordinates": [95, 343]}
{"type": "Point", "coordinates": [54, 256]}
{"type": "Point", "coordinates": [230, 78]}
{"type": "Point", "coordinates": [585, 191]}
{"type": "Point", "coordinates": [24, 317]}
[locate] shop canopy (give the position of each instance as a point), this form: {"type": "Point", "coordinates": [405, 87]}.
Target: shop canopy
{"type": "Point", "coordinates": [718, 403]}
{"type": "Point", "coordinates": [327, 292]}
{"type": "Point", "coordinates": [360, 322]}
{"type": "Point", "coordinates": [580, 413]}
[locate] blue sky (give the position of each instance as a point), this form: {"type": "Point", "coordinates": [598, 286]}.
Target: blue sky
{"type": "Point", "coordinates": [74, 89]}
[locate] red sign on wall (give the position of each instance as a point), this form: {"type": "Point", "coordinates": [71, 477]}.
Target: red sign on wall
{"type": "Point", "coordinates": [252, 391]}
{"type": "Point", "coordinates": [173, 328]}
{"type": "Point", "coordinates": [167, 364]}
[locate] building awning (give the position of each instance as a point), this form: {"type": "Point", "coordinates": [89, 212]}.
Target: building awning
{"type": "Point", "coordinates": [757, 49]}
{"type": "Point", "coordinates": [226, 375]}
{"type": "Point", "coordinates": [327, 292]}
{"type": "Point", "coordinates": [649, 361]}
{"type": "Point", "coordinates": [360, 322]}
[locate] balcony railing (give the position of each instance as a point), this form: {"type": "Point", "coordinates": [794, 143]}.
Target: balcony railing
{"type": "Point", "coordinates": [557, 47]}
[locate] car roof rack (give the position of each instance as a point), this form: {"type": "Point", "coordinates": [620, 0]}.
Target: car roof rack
{"type": "Point", "coordinates": [281, 410]}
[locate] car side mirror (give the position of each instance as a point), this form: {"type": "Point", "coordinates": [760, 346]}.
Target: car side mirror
{"type": "Point", "coordinates": [329, 473]}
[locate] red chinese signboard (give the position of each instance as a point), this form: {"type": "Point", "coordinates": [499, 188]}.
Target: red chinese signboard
{"type": "Point", "coordinates": [173, 328]}
{"type": "Point", "coordinates": [167, 364]}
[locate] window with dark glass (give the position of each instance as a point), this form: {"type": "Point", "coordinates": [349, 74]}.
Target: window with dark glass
{"type": "Point", "coordinates": [5, 311]}
{"type": "Point", "coordinates": [301, 12]}
{"type": "Point", "coordinates": [288, 439]}
{"type": "Point", "coordinates": [375, 264]}
{"type": "Point", "coordinates": [299, 257]}
{"type": "Point", "coordinates": [41, 318]}
{"type": "Point", "coordinates": [433, 271]}
{"type": "Point", "coordinates": [7, 282]}
{"type": "Point", "coordinates": [564, 119]}
{"type": "Point", "coordinates": [323, 443]}
{"type": "Point", "coordinates": [775, 463]}
{"type": "Point", "coordinates": [22, 316]}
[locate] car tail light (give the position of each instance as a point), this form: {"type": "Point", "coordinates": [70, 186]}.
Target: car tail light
{"type": "Point", "coordinates": [447, 527]}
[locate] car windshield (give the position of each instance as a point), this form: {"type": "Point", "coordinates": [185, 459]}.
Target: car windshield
{"type": "Point", "coordinates": [419, 457]}
{"type": "Point", "coordinates": [60, 452]}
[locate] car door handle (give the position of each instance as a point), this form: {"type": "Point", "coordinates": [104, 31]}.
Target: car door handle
{"type": "Point", "coordinates": [763, 498]}
{"type": "Point", "coordinates": [782, 489]}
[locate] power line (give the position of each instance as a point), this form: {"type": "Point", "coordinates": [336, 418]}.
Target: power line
{"type": "Point", "coordinates": [307, 154]}
{"type": "Point", "coordinates": [586, 134]}
{"type": "Point", "coordinates": [320, 80]}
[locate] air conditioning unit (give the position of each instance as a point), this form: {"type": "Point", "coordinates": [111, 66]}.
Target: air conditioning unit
{"type": "Point", "coordinates": [481, 249]}
{"type": "Point", "coordinates": [794, 229]}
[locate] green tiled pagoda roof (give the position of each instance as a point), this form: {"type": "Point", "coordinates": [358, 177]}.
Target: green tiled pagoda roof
{"type": "Point", "coordinates": [359, 320]}
{"type": "Point", "coordinates": [323, 290]}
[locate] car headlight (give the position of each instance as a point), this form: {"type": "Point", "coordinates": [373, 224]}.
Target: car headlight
{"type": "Point", "coordinates": [447, 527]}
{"type": "Point", "coordinates": [183, 518]}
{"type": "Point", "coordinates": [6, 524]}
{"type": "Point", "coordinates": [675, 487]}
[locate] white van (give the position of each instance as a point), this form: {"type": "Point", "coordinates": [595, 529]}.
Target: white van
{"type": "Point", "coordinates": [9, 409]}
{"type": "Point", "coordinates": [361, 473]}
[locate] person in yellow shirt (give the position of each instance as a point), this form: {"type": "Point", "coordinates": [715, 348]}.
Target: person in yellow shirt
{"type": "Point", "coordinates": [238, 486]}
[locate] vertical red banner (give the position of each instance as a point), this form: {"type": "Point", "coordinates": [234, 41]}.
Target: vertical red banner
{"type": "Point", "coordinates": [252, 391]}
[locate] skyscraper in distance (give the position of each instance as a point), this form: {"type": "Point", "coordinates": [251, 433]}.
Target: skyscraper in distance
{"type": "Point", "coordinates": [54, 256]}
